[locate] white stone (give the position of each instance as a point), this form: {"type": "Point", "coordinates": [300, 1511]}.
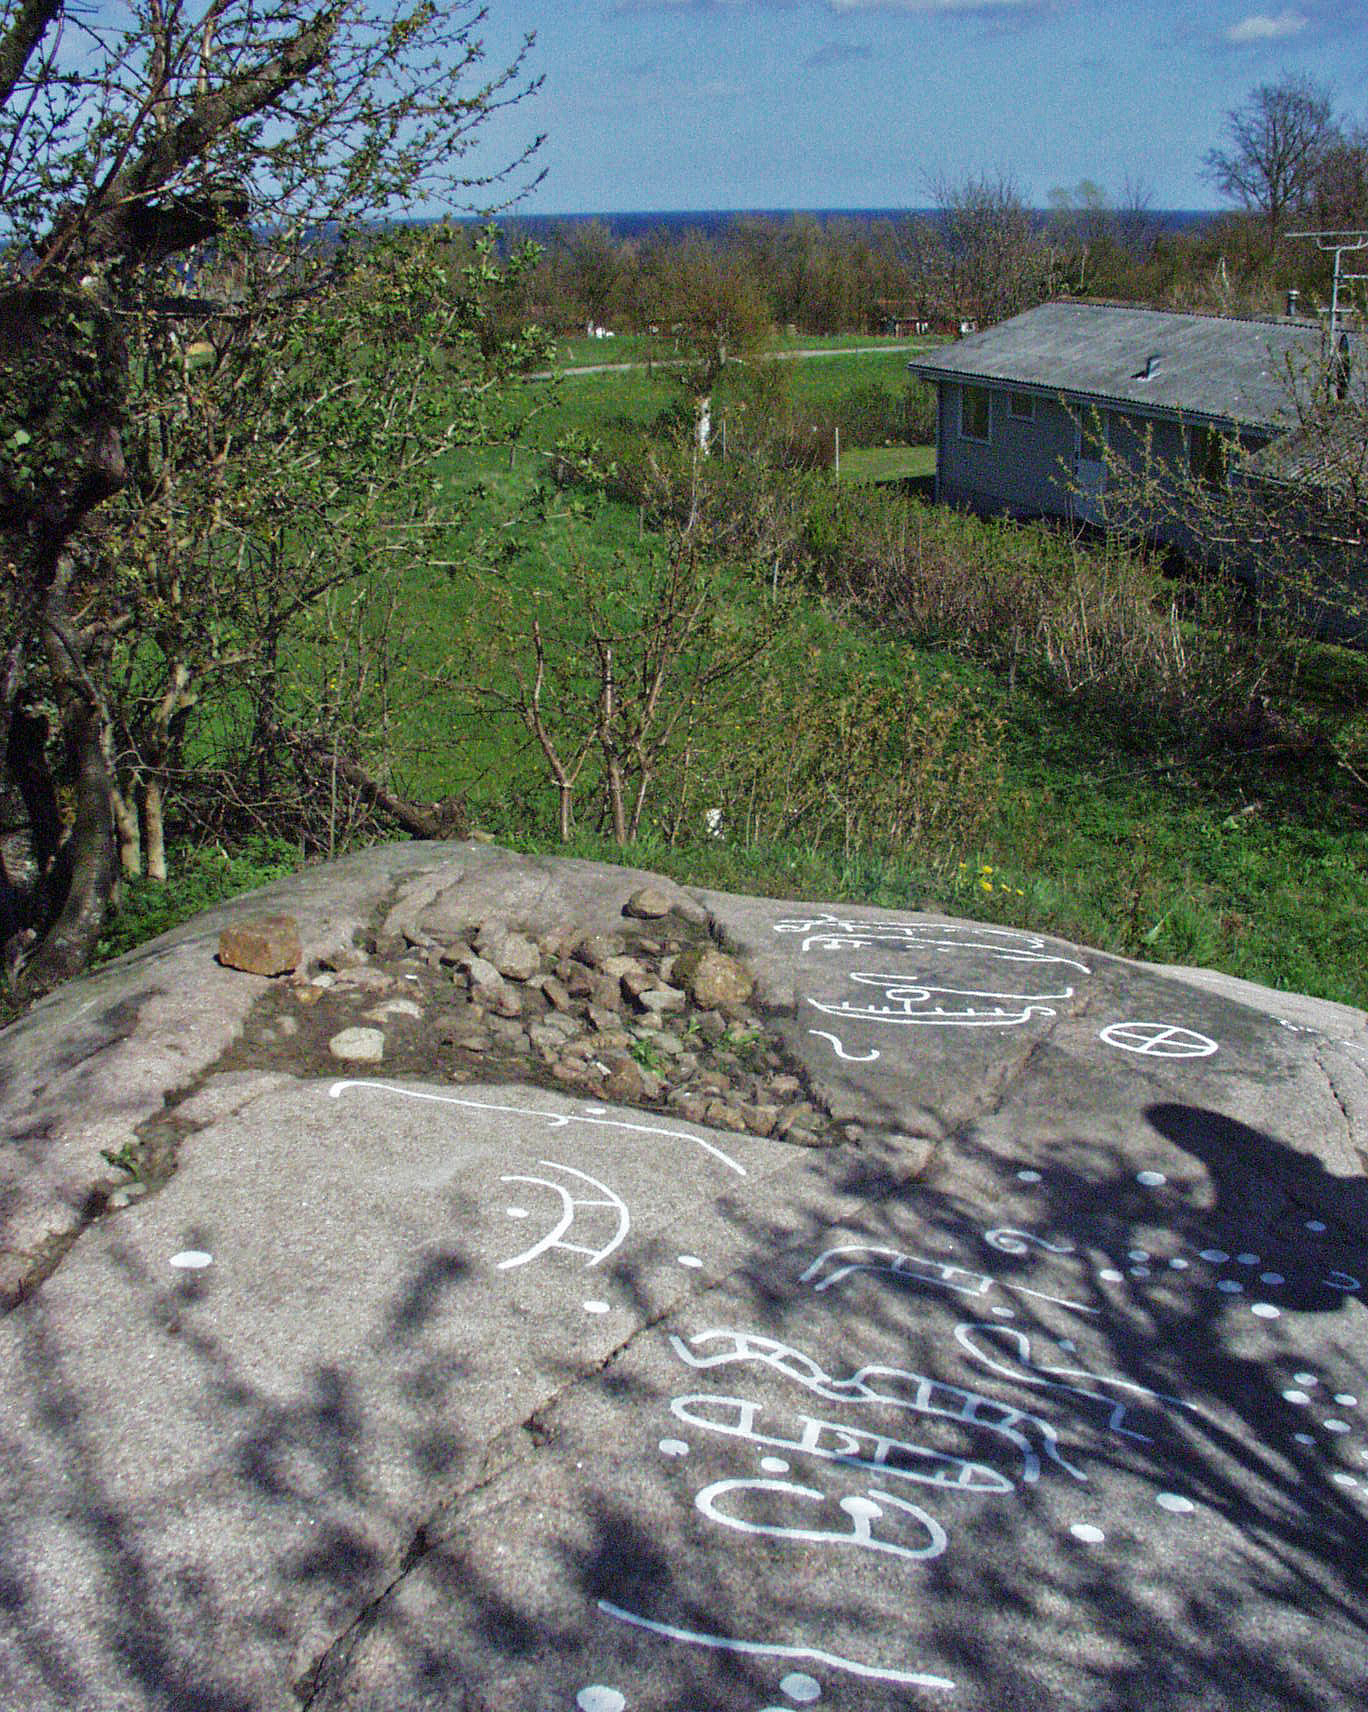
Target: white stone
{"type": "Point", "coordinates": [358, 1045]}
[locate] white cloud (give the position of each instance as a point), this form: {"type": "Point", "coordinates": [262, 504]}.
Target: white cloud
{"type": "Point", "coordinates": [1265, 27]}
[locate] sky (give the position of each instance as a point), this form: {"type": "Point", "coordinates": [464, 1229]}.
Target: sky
{"type": "Point", "coordinates": [808, 104]}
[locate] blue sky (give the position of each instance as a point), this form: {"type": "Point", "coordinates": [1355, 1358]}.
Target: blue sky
{"type": "Point", "coordinates": [692, 104]}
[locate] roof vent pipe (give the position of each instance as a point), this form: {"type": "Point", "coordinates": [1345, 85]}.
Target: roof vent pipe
{"type": "Point", "coordinates": [1292, 295]}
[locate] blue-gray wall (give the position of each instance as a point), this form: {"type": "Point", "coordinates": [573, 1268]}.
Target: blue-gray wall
{"type": "Point", "coordinates": [1026, 468]}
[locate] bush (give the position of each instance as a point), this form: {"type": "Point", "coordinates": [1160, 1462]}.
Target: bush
{"type": "Point", "coordinates": [907, 767]}
{"type": "Point", "coordinates": [878, 415]}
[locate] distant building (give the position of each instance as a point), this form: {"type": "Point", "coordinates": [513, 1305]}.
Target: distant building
{"type": "Point", "coordinates": [1029, 410]}
{"type": "Point", "coordinates": [1038, 415]}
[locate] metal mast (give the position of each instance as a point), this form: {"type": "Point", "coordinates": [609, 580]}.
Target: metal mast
{"type": "Point", "coordinates": [1341, 243]}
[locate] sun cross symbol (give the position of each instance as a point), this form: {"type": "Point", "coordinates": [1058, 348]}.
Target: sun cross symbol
{"type": "Point", "coordinates": [1158, 1040]}
{"type": "Point", "coordinates": [570, 1205]}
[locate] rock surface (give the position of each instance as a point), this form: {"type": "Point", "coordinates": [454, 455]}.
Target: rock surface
{"type": "Point", "coordinates": [1044, 1382]}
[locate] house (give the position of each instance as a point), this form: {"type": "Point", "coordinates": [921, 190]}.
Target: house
{"type": "Point", "coordinates": [904, 326]}
{"type": "Point", "coordinates": [1030, 411]}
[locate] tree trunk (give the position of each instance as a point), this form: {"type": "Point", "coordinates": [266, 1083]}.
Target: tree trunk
{"type": "Point", "coordinates": [126, 832]}
{"type": "Point", "coordinates": [153, 832]}
{"type": "Point", "coordinates": [68, 944]}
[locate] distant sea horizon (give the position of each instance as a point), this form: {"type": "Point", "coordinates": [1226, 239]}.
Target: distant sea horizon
{"type": "Point", "coordinates": [712, 221]}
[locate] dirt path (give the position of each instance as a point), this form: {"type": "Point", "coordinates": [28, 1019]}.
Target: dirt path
{"type": "Point", "coordinates": [680, 362]}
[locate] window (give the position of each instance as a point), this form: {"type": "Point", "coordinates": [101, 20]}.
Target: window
{"type": "Point", "coordinates": [1022, 406]}
{"type": "Point", "coordinates": [974, 412]}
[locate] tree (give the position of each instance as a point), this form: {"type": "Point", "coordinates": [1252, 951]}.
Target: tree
{"type": "Point", "coordinates": [988, 261]}
{"type": "Point", "coordinates": [711, 303]}
{"type": "Point", "coordinates": [1277, 143]}
{"type": "Point", "coordinates": [1339, 195]}
{"type": "Point", "coordinates": [587, 265]}
{"type": "Point", "coordinates": [136, 158]}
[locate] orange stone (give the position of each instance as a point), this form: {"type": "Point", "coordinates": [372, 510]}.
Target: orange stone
{"type": "Point", "coordinates": [262, 945]}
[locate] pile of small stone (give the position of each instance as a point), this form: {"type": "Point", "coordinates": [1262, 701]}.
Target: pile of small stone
{"type": "Point", "coordinates": [651, 1015]}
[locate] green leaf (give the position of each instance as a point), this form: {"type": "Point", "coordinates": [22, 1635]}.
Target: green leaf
{"type": "Point", "coordinates": [20, 437]}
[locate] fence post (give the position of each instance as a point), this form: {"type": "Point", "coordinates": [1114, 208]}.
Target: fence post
{"type": "Point", "coordinates": [838, 451]}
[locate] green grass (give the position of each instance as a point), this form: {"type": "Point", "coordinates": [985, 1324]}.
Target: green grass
{"type": "Point", "coordinates": [887, 463]}
{"type": "Point", "coordinates": [1098, 833]}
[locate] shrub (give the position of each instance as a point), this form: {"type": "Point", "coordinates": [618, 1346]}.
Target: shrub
{"type": "Point", "coordinates": [877, 415]}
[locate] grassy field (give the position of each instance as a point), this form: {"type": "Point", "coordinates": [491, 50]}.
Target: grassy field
{"type": "Point", "coordinates": [888, 463]}
{"type": "Point", "coordinates": [1090, 828]}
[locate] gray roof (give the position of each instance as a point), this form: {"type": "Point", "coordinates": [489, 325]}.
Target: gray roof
{"type": "Point", "coordinates": [1327, 454]}
{"type": "Point", "coordinates": [1205, 368]}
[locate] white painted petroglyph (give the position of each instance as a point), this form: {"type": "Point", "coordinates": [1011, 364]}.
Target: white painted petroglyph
{"type": "Point", "coordinates": [800, 1687]}
{"type": "Point", "coordinates": [1178, 1264]}
{"type": "Point", "coordinates": [1306, 1379]}
{"type": "Point", "coordinates": [1346, 1399]}
{"type": "Point", "coordinates": [673, 1447]}
{"type": "Point", "coordinates": [556, 1120]}
{"type": "Point", "coordinates": [863, 1513]}
{"type": "Point", "coordinates": [1089, 1535]}
{"type": "Point", "coordinates": [914, 1269]}
{"type": "Point", "coordinates": [1336, 1426]}
{"type": "Point", "coordinates": [1297, 1397]}
{"type": "Point", "coordinates": [1343, 1281]}
{"type": "Point", "coordinates": [776, 1649]}
{"type": "Point", "coordinates": [1158, 1040]}
{"type": "Point", "coordinates": [596, 1307]}
{"type": "Point", "coordinates": [1175, 1503]}
{"type": "Point", "coordinates": [903, 997]}
{"type": "Point", "coordinates": [1265, 1311]}
{"type": "Point", "coordinates": [1246, 1259]}
{"type": "Point", "coordinates": [1305, 1438]}
{"type": "Point", "coordinates": [1151, 1179]}
{"type": "Point", "coordinates": [1028, 1176]}
{"type": "Point", "coordinates": [1271, 1278]}
{"type": "Point", "coordinates": [834, 1441]}
{"type": "Point", "coordinates": [1027, 1372]}
{"type": "Point", "coordinates": [571, 1205]}
{"type": "Point", "coordinates": [774, 1465]}
{"type": "Point", "coordinates": [1231, 1286]}
{"type": "Point", "coordinates": [598, 1698]}
{"type": "Point", "coordinates": [191, 1260]}
{"type": "Point", "coordinates": [1010, 1241]}
{"type": "Point", "coordinates": [1315, 1225]}
{"type": "Point", "coordinates": [1008, 945]}
{"type": "Point", "coordinates": [690, 1260]}
{"type": "Point", "coordinates": [874, 1383]}
{"type": "Point", "coordinates": [1216, 1256]}
{"type": "Point", "coordinates": [840, 1051]}
{"type": "Point", "coordinates": [1109, 1275]}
